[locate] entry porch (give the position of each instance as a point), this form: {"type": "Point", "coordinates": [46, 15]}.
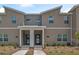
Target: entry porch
{"type": "Point", "coordinates": [31, 36]}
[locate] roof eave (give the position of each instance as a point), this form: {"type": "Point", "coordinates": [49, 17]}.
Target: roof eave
{"type": "Point", "coordinates": [59, 7]}
{"type": "Point", "coordinates": [14, 10]}
{"type": "Point", "coordinates": [74, 7]}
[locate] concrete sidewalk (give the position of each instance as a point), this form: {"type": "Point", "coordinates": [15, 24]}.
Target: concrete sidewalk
{"type": "Point", "coordinates": [38, 52]}
{"type": "Point", "coordinates": [20, 52]}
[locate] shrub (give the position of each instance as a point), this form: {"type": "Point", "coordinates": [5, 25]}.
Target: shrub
{"type": "Point", "coordinates": [60, 44]}
{"type": "Point", "coordinates": [57, 44]}
{"type": "Point", "coordinates": [49, 44]}
{"type": "Point", "coordinates": [68, 44]}
{"type": "Point", "coordinates": [53, 44]}
{"type": "Point", "coordinates": [10, 44]}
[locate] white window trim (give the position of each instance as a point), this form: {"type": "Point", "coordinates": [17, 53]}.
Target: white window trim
{"type": "Point", "coordinates": [58, 28]}
{"type": "Point", "coordinates": [8, 28]}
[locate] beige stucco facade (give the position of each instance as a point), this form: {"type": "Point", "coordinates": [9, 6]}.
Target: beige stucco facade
{"type": "Point", "coordinates": [34, 26]}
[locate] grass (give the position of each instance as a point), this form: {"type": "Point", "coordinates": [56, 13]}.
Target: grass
{"type": "Point", "coordinates": [61, 50]}
{"type": "Point", "coordinates": [7, 50]}
{"type": "Point", "coordinates": [30, 51]}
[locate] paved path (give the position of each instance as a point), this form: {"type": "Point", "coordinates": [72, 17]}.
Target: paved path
{"type": "Point", "coordinates": [38, 52]}
{"type": "Point", "coordinates": [20, 52]}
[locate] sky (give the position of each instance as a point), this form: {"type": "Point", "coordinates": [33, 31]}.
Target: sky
{"type": "Point", "coordinates": [37, 8]}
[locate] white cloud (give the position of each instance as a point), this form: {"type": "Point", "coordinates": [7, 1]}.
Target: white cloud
{"type": "Point", "coordinates": [26, 5]}
{"type": "Point", "coordinates": [2, 10]}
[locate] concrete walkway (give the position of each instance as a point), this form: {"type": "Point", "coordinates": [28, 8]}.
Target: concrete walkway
{"type": "Point", "coordinates": [38, 52]}
{"type": "Point", "coordinates": [20, 52]}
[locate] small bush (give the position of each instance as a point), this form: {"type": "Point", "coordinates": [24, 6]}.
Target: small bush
{"type": "Point", "coordinates": [10, 44]}
{"type": "Point", "coordinates": [56, 44]}
{"type": "Point", "coordinates": [1, 44]}
{"type": "Point", "coordinates": [49, 44]}
{"type": "Point", "coordinates": [60, 44]}
{"type": "Point", "coordinates": [53, 44]}
{"type": "Point", "coordinates": [68, 44]}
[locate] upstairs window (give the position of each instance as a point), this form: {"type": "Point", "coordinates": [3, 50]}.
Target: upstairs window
{"type": "Point", "coordinates": [37, 22]}
{"type": "Point", "coordinates": [66, 20]}
{"type": "Point", "coordinates": [51, 19]}
{"type": "Point", "coordinates": [27, 19]}
{"type": "Point", "coordinates": [13, 19]}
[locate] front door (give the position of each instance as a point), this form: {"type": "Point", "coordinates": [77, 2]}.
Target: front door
{"type": "Point", "coordinates": [27, 39]}
{"type": "Point", "coordinates": [38, 40]}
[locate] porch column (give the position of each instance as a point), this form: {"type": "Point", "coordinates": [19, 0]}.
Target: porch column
{"type": "Point", "coordinates": [20, 38]}
{"type": "Point", "coordinates": [43, 38]}
{"type": "Point", "coordinates": [31, 38]}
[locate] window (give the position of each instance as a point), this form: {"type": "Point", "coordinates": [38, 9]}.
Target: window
{"type": "Point", "coordinates": [27, 19]}
{"type": "Point", "coordinates": [65, 37]}
{"type": "Point", "coordinates": [1, 39]}
{"type": "Point", "coordinates": [59, 37]}
{"type": "Point", "coordinates": [66, 21]}
{"type": "Point", "coordinates": [37, 22]}
{"type": "Point", "coordinates": [51, 19]}
{"type": "Point", "coordinates": [5, 37]}
{"type": "Point", "coordinates": [13, 19]}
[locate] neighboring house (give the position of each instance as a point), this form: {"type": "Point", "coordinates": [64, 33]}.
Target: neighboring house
{"type": "Point", "coordinates": [38, 29]}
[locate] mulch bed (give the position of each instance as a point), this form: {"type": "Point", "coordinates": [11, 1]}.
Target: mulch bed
{"type": "Point", "coordinates": [30, 51]}
{"type": "Point", "coordinates": [61, 50]}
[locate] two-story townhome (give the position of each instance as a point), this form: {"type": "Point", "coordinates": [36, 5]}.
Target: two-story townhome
{"type": "Point", "coordinates": [32, 30]}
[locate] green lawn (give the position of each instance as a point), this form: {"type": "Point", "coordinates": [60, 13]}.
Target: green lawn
{"type": "Point", "coordinates": [61, 50]}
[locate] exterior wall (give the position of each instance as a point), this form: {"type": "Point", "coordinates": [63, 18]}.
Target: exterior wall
{"type": "Point", "coordinates": [6, 19]}
{"type": "Point", "coordinates": [77, 19]}
{"type": "Point", "coordinates": [33, 19]}
{"type": "Point", "coordinates": [52, 35]}
{"type": "Point", "coordinates": [58, 19]}
{"type": "Point", "coordinates": [13, 35]}
{"type": "Point", "coordinates": [74, 22]}
{"type": "Point", "coordinates": [58, 22]}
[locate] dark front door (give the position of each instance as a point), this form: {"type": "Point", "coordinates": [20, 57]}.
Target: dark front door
{"type": "Point", "coordinates": [27, 39]}
{"type": "Point", "coordinates": [38, 39]}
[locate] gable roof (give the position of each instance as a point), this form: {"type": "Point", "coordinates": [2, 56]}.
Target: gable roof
{"type": "Point", "coordinates": [59, 7]}
{"type": "Point", "coordinates": [74, 7]}
{"type": "Point", "coordinates": [14, 10]}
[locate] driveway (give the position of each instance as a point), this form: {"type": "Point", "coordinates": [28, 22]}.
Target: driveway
{"type": "Point", "coordinates": [39, 52]}
{"type": "Point", "coordinates": [20, 52]}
